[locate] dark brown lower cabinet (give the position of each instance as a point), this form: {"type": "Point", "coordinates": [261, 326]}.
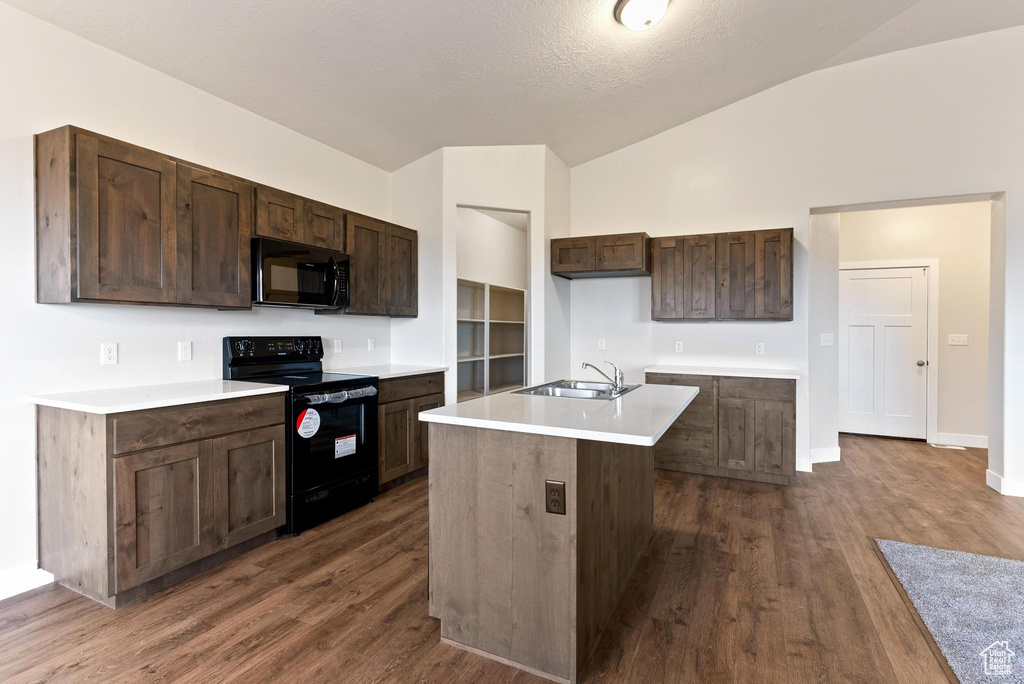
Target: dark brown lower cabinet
{"type": "Point", "coordinates": [402, 438]}
{"type": "Point", "coordinates": [735, 427]}
{"type": "Point", "coordinates": [117, 524]}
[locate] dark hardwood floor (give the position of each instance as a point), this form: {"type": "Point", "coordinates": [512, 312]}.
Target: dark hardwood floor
{"type": "Point", "coordinates": [740, 582]}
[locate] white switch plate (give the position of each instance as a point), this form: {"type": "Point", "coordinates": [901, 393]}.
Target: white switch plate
{"type": "Point", "coordinates": [108, 354]}
{"type": "Point", "coordinates": [338, 347]}
{"type": "Point", "coordinates": [759, 348]}
{"type": "Point", "coordinates": [958, 340]}
{"type": "Point", "coordinates": [679, 345]}
{"type": "Point", "coordinates": [371, 344]}
{"type": "Point", "coordinates": [601, 345]}
{"type": "Point", "coordinates": [184, 351]}
{"type": "Point", "coordinates": [827, 340]}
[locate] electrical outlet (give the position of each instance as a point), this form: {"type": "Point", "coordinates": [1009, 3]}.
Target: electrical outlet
{"type": "Point", "coordinates": [601, 344]}
{"type": "Point", "coordinates": [184, 351]}
{"type": "Point", "coordinates": [554, 497]}
{"type": "Point", "coordinates": [759, 348]}
{"type": "Point", "coordinates": [679, 345]}
{"type": "Point", "coordinates": [338, 347]}
{"type": "Point", "coordinates": [958, 340]}
{"type": "Point", "coordinates": [108, 354]}
{"type": "Point", "coordinates": [371, 344]}
{"type": "Point", "coordinates": [827, 340]}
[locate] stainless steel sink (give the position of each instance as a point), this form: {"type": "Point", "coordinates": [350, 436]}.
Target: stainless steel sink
{"type": "Point", "coordinates": [577, 389]}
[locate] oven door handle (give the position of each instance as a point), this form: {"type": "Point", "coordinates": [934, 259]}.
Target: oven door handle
{"type": "Point", "coordinates": [340, 397]}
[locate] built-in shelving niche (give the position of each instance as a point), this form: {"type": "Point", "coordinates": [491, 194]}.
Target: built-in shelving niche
{"type": "Point", "coordinates": [491, 339]}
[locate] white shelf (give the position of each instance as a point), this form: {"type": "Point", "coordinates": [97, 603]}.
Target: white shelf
{"type": "Point", "coordinates": [506, 356]}
{"type": "Point", "coordinates": [466, 359]}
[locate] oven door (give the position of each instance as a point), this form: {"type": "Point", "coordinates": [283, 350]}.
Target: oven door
{"type": "Point", "coordinates": [290, 274]}
{"type": "Point", "coordinates": [334, 441]}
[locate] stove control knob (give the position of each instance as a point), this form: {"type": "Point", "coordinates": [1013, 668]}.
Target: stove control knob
{"type": "Point", "coordinates": [300, 346]}
{"type": "Point", "coordinates": [240, 346]}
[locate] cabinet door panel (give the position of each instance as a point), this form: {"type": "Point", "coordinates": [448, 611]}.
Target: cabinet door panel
{"type": "Point", "coordinates": [698, 277]}
{"type": "Point", "coordinates": [775, 438]}
{"type": "Point", "coordinates": [569, 255]}
{"type": "Point", "coordinates": [126, 223]}
{"type": "Point", "coordinates": [401, 289]}
{"type": "Point", "coordinates": [667, 279]}
{"type": "Point", "coordinates": [422, 450]}
{"type": "Point", "coordinates": [773, 274]}
{"type": "Point", "coordinates": [396, 439]}
{"type": "Point", "coordinates": [621, 252]}
{"type": "Point", "coordinates": [365, 240]}
{"type": "Point", "coordinates": [324, 225]}
{"type": "Point", "coordinates": [735, 258]}
{"type": "Point", "coordinates": [250, 477]}
{"type": "Point", "coordinates": [736, 433]}
{"type": "Point", "coordinates": [163, 511]}
{"type": "Point", "coordinates": [214, 233]}
{"type": "Point", "coordinates": [279, 215]}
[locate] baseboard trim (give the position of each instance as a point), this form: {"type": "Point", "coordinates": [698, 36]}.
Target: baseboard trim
{"type": "Point", "coordinates": [825, 454]}
{"type": "Point", "coordinates": [803, 464]}
{"type": "Point", "coordinates": [954, 439]}
{"type": "Point", "coordinates": [1004, 486]}
{"type": "Point", "coordinates": [22, 578]}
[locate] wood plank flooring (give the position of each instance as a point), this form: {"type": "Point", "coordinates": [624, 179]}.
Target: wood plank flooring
{"type": "Point", "coordinates": [739, 582]}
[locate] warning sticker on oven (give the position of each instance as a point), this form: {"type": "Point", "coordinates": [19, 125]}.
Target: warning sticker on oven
{"type": "Point", "coordinates": [344, 446]}
{"type": "Point", "coordinates": [308, 423]}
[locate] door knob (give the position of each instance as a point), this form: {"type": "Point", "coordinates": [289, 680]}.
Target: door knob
{"type": "Point", "coordinates": [921, 363]}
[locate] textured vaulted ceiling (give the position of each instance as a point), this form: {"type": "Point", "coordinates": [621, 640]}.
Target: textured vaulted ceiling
{"type": "Point", "coordinates": [389, 81]}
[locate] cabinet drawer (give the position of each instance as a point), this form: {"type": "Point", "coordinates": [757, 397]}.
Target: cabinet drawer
{"type": "Point", "coordinates": [399, 389]}
{"type": "Point", "coordinates": [706, 383]}
{"type": "Point", "coordinates": [769, 389]}
{"type": "Point", "coordinates": [140, 430]}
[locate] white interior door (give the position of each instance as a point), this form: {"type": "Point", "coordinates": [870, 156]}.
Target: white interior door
{"type": "Point", "coordinates": [883, 351]}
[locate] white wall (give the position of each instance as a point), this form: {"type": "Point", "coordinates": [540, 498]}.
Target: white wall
{"type": "Point", "coordinates": [51, 78]}
{"type": "Point", "coordinates": [489, 251]}
{"type": "Point", "coordinates": [957, 235]}
{"type": "Point", "coordinates": [934, 121]}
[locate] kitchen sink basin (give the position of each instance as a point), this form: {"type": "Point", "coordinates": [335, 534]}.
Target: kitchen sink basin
{"type": "Point", "coordinates": [577, 389]}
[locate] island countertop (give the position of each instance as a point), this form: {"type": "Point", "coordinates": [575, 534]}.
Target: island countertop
{"type": "Point", "coordinates": [639, 417]}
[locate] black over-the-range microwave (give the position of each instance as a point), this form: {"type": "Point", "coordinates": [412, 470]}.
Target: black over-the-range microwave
{"type": "Point", "coordinates": [295, 275]}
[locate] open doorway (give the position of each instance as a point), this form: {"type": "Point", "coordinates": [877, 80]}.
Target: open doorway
{"type": "Point", "coordinates": [492, 301]}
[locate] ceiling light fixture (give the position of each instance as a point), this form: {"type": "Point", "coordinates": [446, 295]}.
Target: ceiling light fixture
{"type": "Point", "coordinates": [640, 15]}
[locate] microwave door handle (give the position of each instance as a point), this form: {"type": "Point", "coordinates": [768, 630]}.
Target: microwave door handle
{"type": "Point", "coordinates": [337, 282]}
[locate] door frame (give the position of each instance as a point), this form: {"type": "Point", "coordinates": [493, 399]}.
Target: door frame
{"type": "Point", "coordinates": [932, 374]}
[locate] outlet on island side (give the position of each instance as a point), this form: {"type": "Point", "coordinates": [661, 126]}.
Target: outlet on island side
{"type": "Point", "coordinates": [554, 497]}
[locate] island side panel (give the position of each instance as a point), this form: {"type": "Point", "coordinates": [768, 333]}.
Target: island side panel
{"type": "Point", "coordinates": [615, 502]}
{"type": "Point", "coordinates": [502, 570]}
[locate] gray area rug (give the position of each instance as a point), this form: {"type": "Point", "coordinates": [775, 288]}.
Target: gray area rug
{"type": "Point", "coordinates": [973, 606]}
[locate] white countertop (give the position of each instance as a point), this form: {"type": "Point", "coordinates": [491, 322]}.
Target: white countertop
{"type": "Point", "coordinates": [639, 417]}
{"type": "Point", "coordinates": [385, 371]}
{"type": "Point", "coordinates": [727, 371]}
{"type": "Point", "coordinates": [121, 399]}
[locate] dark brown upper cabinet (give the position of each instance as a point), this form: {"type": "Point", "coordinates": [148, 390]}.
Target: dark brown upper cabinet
{"type": "Point", "coordinates": [366, 240]}
{"type": "Point", "coordinates": [279, 215]}
{"type": "Point", "coordinates": [401, 290]}
{"type": "Point", "coordinates": [214, 234]}
{"type": "Point", "coordinates": [736, 276]}
{"type": "Point", "coordinates": [773, 274]}
{"type": "Point", "coordinates": [683, 278]}
{"type": "Point", "coordinates": [106, 228]}
{"type": "Point", "coordinates": [602, 256]}
{"type": "Point", "coordinates": [324, 225]}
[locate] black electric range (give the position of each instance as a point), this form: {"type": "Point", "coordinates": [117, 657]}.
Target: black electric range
{"type": "Point", "coordinates": [331, 424]}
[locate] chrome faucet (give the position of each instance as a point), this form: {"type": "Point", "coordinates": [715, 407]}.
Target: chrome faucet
{"type": "Point", "coordinates": [618, 383]}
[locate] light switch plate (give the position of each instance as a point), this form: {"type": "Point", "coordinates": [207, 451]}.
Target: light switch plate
{"type": "Point", "coordinates": [827, 340]}
{"type": "Point", "coordinates": [958, 340]}
{"type": "Point", "coordinates": [338, 347]}
{"type": "Point", "coordinates": [679, 345]}
{"type": "Point", "coordinates": [108, 354]}
{"type": "Point", "coordinates": [759, 348]}
{"type": "Point", "coordinates": [184, 351]}
{"type": "Point", "coordinates": [601, 345]}
{"type": "Point", "coordinates": [371, 344]}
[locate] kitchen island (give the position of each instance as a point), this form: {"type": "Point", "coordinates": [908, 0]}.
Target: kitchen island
{"type": "Point", "coordinates": [539, 509]}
